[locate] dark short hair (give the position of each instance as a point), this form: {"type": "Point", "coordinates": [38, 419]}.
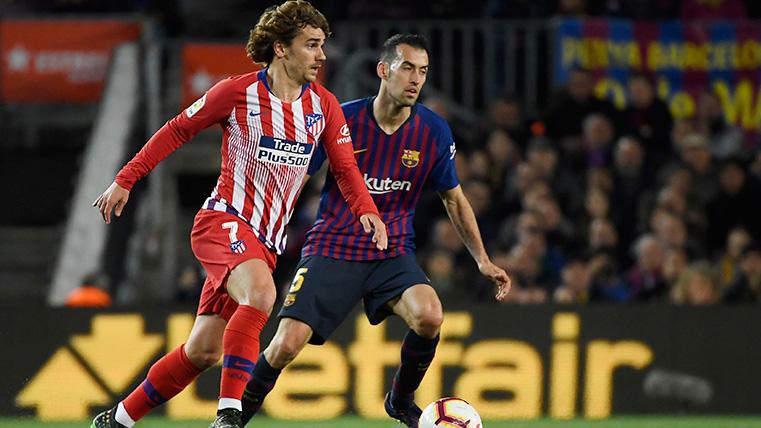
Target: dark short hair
{"type": "Point", "coordinates": [389, 46]}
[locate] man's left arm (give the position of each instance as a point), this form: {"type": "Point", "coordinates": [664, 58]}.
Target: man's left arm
{"type": "Point", "coordinates": [464, 220]}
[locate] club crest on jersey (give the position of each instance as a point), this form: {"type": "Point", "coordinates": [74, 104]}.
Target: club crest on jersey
{"type": "Point", "coordinates": [238, 247]}
{"type": "Point", "coordinates": [410, 158]}
{"type": "Point", "coordinates": [314, 123]}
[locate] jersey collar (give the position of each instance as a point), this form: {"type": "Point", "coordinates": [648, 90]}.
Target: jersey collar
{"type": "Point", "coordinates": [370, 101]}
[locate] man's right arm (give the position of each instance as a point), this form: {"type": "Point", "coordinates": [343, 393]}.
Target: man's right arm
{"type": "Point", "coordinates": [212, 108]}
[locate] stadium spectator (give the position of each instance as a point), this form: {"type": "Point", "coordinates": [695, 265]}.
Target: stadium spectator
{"type": "Point", "coordinates": [504, 154]}
{"type": "Point", "coordinates": [630, 180]}
{"type": "Point", "coordinates": [696, 156]}
{"type": "Point", "coordinates": [598, 134]}
{"type": "Point", "coordinates": [649, 119]}
{"type": "Point", "coordinates": [506, 114]}
{"type": "Point", "coordinates": [543, 157]}
{"type": "Point", "coordinates": [440, 268]}
{"type": "Point", "coordinates": [607, 285]}
{"type": "Point", "coordinates": [675, 262]}
{"type": "Point", "coordinates": [697, 285]}
{"type": "Point", "coordinates": [645, 279]}
{"type": "Point", "coordinates": [726, 140]}
{"type": "Point", "coordinates": [747, 286]}
{"type": "Point", "coordinates": [575, 282]}
{"type": "Point", "coordinates": [729, 262]}
{"type": "Point", "coordinates": [738, 203]}
{"type": "Point", "coordinates": [602, 236]}
{"type": "Point", "coordinates": [570, 105]}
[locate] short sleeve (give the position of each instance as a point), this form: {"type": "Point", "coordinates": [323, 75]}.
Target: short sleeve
{"type": "Point", "coordinates": [443, 175]}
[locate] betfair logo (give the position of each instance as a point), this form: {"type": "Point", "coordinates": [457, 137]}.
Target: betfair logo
{"type": "Point", "coordinates": [92, 369]}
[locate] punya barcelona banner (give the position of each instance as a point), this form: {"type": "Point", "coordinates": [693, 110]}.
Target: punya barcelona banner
{"type": "Point", "coordinates": [685, 57]}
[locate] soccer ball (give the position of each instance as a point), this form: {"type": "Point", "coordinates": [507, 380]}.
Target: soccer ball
{"type": "Point", "coordinates": [450, 412]}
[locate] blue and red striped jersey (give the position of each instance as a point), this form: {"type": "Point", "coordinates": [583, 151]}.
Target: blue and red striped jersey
{"type": "Point", "coordinates": [396, 168]}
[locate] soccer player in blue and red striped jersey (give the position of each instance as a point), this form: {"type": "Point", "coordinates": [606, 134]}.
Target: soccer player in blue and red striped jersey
{"type": "Point", "coordinates": [401, 148]}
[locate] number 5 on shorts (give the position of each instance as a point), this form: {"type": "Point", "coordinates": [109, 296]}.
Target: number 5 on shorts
{"type": "Point", "coordinates": [298, 281]}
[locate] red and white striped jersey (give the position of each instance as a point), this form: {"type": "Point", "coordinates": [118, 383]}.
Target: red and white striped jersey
{"type": "Point", "coordinates": [266, 148]}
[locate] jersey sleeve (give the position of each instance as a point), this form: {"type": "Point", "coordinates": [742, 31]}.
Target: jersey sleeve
{"type": "Point", "coordinates": [212, 108]}
{"type": "Point", "coordinates": [443, 175]}
{"type": "Point", "coordinates": [318, 158]}
{"type": "Point", "coordinates": [336, 139]}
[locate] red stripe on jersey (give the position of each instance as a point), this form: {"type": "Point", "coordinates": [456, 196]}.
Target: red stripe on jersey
{"type": "Point", "coordinates": [265, 109]}
{"type": "Point", "coordinates": [290, 127]}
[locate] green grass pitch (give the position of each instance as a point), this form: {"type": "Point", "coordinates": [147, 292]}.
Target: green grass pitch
{"type": "Point", "coordinates": [354, 422]}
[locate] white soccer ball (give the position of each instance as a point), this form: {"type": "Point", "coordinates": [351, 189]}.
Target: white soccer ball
{"type": "Point", "coordinates": [450, 412]}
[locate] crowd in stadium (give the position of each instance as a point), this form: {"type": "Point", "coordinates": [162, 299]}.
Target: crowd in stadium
{"type": "Point", "coordinates": [589, 203]}
{"type": "Point", "coordinates": [585, 202]}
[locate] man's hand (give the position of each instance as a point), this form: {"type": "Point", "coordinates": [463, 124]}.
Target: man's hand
{"type": "Point", "coordinates": [498, 276]}
{"type": "Point", "coordinates": [115, 198]}
{"type": "Point", "coordinates": [373, 223]}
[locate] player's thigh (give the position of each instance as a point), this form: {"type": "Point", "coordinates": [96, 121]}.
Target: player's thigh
{"type": "Point", "coordinates": [323, 293]}
{"type": "Point", "coordinates": [419, 305]}
{"type": "Point", "coordinates": [251, 283]}
{"type": "Point", "coordinates": [387, 290]}
{"type": "Point", "coordinates": [204, 345]}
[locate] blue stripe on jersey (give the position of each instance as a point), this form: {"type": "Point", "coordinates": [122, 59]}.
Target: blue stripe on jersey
{"type": "Point", "coordinates": [396, 168]}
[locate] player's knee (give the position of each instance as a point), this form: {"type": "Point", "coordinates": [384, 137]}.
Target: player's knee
{"type": "Point", "coordinates": [428, 321]}
{"type": "Point", "coordinates": [285, 350]}
{"type": "Point", "coordinates": [261, 296]}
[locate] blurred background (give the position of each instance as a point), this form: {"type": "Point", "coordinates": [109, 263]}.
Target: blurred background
{"type": "Point", "coordinates": [610, 150]}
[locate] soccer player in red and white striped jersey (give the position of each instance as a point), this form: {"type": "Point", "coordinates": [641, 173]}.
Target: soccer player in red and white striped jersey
{"type": "Point", "coordinates": [272, 121]}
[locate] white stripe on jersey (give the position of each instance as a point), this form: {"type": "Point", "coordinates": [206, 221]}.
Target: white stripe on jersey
{"type": "Point", "coordinates": [298, 121]}
{"type": "Point", "coordinates": [237, 147]}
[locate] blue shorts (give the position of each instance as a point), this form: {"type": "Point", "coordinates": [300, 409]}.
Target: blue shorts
{"type": "Point", "coordinates": [324, 291]}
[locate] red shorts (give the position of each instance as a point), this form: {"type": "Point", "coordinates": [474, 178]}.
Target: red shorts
{"type": "Point", "coordinates": [222, 241]}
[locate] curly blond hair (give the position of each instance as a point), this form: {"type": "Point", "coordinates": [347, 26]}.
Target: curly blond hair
{"type": "Point", "coordinates": [282, 23]}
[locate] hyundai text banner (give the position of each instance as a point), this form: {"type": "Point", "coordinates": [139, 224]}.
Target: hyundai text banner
{"type": "Point", "coordinates": [510, 362]}
{"type": "Point", "coordinates": [685, 57]}
{"type": "Point", "coordinates": [47, 60]}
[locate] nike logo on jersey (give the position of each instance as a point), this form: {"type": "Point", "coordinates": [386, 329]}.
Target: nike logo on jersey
{"type": "Point", "coordinates": [252, 114]}
{"type": "Point", "coordinates": [360, 151]}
